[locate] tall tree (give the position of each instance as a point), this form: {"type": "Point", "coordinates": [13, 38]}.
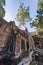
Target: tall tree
{"type": "Point", "coordinates": [23, 14]}
{"type": "Point", "coordinates": [38, 22]}
{"type": "Point", "coordinates": [2, 11]}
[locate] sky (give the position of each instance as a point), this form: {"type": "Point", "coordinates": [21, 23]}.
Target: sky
{"type": "Point", "coordinates": [11, 9]}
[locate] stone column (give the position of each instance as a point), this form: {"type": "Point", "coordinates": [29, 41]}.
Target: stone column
{"type": "Point", "coordinates": [40, 44]}
{"type": "Point", "coordinates": [20, 47]}
{"type": "Point", "coordinates": [25, 46]}
{"type": "Point", "coordinates": [17, 50]}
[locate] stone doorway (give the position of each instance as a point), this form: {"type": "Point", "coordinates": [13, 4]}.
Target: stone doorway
{"type": "Point", "coordinates": [22, 45]}
{"type": "Point", "coordinates": [27, 44]}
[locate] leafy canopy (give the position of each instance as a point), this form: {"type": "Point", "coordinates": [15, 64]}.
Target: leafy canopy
{"type": "Point", "coordinates": [23, 14]}
{"type": "Point", "coordinates": [2, 11]}
{"type": "Point", "coordinates": [38, 22]}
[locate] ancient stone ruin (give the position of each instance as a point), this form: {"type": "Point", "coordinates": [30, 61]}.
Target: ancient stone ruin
{"type": "Point", "coordinates": [13, 41]}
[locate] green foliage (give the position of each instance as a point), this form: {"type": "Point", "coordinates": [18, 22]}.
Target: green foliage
{"type": "Point", "coordinates": [40, 4]}
{"type": "Point", "coordinates": [38, 22]}
{"type": "Point", "coordinates": [2, 2]}
{"type": "Point", "coordinates": [32, 63]}
{"type": "Point", "coordinates": [2, 11]}
{"type": "Point", "coordinates": [23, 55]}
{"type": "Point", "coordinates": [23, 14]}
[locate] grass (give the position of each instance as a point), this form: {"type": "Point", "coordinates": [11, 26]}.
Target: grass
{"type": "Point", "coordinates": [32, 63]}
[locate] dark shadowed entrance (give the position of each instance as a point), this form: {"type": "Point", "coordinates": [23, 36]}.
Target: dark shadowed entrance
{"type": "Point", "coordinates": [23, 45]}
{"type": "Point", "coordinates": [27, 44]}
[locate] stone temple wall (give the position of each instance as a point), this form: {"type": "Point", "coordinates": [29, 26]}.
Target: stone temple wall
{"type": "Point", "coordinates": [20, 36]}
